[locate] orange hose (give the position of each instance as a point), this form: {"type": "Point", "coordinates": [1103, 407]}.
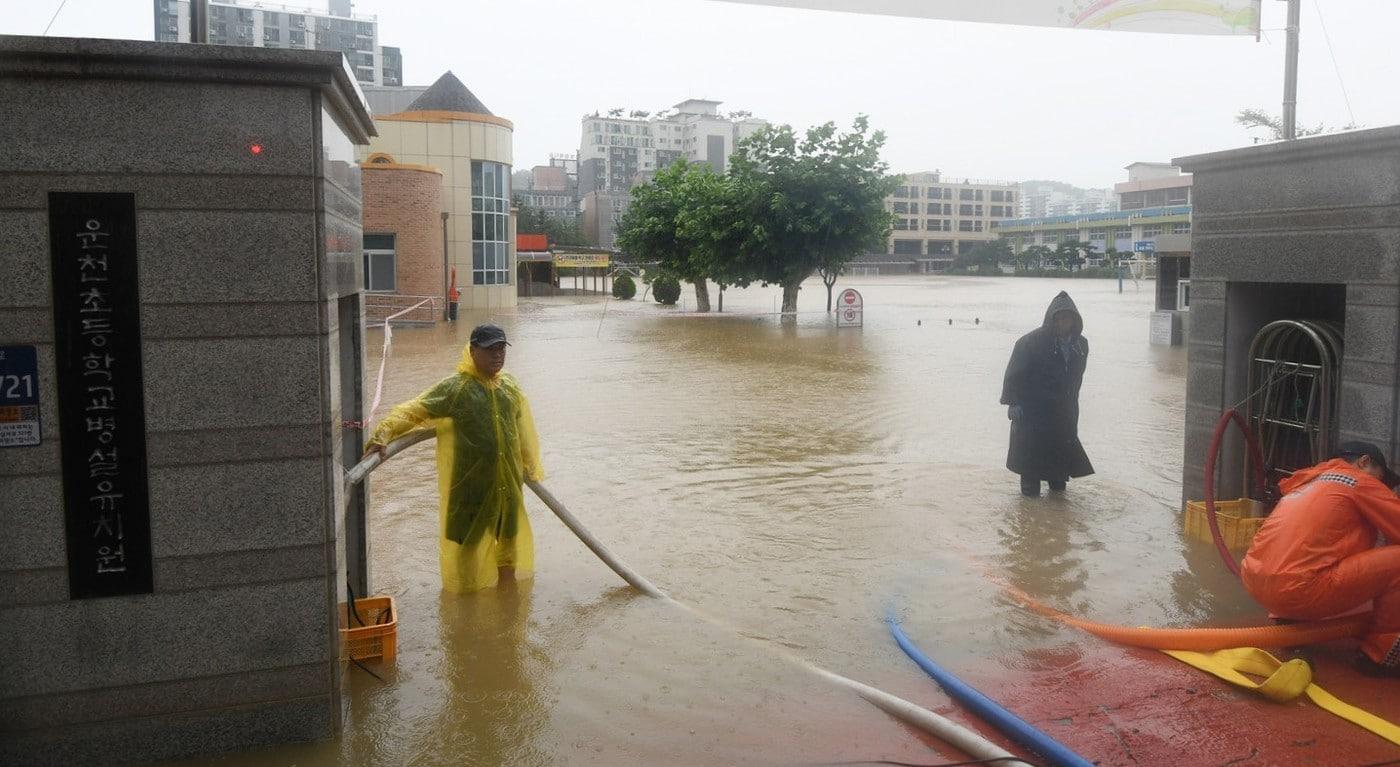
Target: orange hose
{"type": "Point", "coordinates": [1206, 640]}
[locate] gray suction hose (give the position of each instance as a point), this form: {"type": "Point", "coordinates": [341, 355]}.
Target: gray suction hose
{"type": "Point", "coordinates": [954, 734]}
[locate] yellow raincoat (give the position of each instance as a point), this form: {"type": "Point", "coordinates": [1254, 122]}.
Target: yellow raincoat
{"type": "Point", "coordinates": [486, 449]}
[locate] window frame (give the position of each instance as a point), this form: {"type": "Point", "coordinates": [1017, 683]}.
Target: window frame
{"type": "Point", "coordinates": [490, 223]}
{"type": "Point", "coordinates": [369, 254]}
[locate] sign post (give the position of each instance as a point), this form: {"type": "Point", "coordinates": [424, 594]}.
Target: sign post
{"type": "Point", "coordinates": [850, 309]}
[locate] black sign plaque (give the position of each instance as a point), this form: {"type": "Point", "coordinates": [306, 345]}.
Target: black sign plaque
{"type": "Point", "coordinates": [101, 408]}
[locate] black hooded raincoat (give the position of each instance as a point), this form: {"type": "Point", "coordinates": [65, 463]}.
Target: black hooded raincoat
{"type": "Point", "coordinates": [1043, 379]}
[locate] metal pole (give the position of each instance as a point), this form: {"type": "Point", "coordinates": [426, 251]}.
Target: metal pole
{"type": "Point", "coordinates": [446, 299]}
{"type": "Point", "coordinates": [199, 21]}
{"type": "Point", "coordinates": [1290, 73]}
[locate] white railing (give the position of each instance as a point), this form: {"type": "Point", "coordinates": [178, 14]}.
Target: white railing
{"type": "Point", "coordinates": [381, 308]}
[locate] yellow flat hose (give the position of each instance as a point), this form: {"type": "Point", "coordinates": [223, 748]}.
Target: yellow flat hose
{"type": "Point", "coordinates": [1283, 682]}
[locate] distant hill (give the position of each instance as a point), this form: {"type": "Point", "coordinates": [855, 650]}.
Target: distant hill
{"type": "Point", "coordinates": [1056, 186]}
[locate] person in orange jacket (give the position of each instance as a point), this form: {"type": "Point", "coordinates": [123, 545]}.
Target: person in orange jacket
{"type": "Point", "coordinates": [1330, 546]}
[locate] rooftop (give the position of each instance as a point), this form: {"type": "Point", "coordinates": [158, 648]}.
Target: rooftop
{"type": "Point", "coordinates": [296, 9]}
{"type": "Point", "coordinates": [939, 177]}
{"type": "Point", "coordinates": [1103, 218]}
{"type": "Point", "coordinates": [448, 94]}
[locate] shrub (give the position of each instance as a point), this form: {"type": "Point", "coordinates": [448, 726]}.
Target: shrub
{"type": "Point", "coordinates": [667, 290]}
{"type": "Point", "coordinates": [624, 288]}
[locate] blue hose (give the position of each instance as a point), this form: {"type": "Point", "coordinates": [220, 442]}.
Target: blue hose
{"type": "Point", "coordinates": [1010, 725]}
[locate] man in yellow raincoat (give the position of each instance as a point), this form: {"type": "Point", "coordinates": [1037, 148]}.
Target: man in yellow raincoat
{"type": "Point", "coordinates": [486, 449]}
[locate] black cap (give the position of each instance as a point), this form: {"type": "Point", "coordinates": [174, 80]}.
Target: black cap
{"type": "Point", "coordinates": [488, 335]}
{"type": "Point", "coordinates": [1358, 449]}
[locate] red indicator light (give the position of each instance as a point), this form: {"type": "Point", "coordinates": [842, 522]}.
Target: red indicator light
{"type": "Point", "coordinates": [255, 148]}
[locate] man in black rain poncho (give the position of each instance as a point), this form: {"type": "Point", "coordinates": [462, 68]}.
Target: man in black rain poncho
{"type": "Point", "coordinates": [1041, 391]}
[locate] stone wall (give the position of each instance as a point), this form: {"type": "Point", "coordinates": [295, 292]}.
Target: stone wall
{"type": "Point", "coordinates": [1312, 212]}
{"type": "Point", "coordinates": [246, 258]}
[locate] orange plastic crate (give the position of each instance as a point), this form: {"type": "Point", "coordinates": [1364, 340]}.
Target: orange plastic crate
{"type": "Point", "coordinates": [1236, 518]}
{"type": "Point", "coordinates": [378, 638]}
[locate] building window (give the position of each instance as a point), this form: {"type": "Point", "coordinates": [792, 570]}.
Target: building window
{"type": "Point", "coordinates": [1096, 235]}
{"type": "Point", "coordinates": [965, 225]}
{"type": "Point", "coordinates": [964, 210]}
{"type": "Point", "coordinates": [1181, 227]}
{"type": "Point", "coordinates": [901, 207]}
{"type": "Point", "coordinates": [906, 248]}
{"type": "Point", "coordinates": [964, 194]}
{"type": "Point", "coordinates": [901, 191]}
{"type": "Point", "coordinates": [490, 223]}
{"type": "Point", "coordinates": [977, 210]}
{"type": "Point", "coordinates": [1151, 231]}
{"type": "Point", "coordinates": [380, 267]}
{"type": "Point", "coordinates": [998, 196]}
{"type": "Point", "coordinates": [1179, 195]}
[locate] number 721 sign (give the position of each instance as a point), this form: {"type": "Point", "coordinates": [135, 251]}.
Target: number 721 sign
{"type": "Point", "coordinates": [19, 396]}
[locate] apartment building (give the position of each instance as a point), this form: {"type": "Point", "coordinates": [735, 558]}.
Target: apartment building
{"type": "Point", "coordinates": [269, 25]}
{"type": "Point", "coordinates": [619, 150]}
{"type": "Point", "coordinates": [1049, 198]}
{"type": "Point", "coordinates": [937, 217]}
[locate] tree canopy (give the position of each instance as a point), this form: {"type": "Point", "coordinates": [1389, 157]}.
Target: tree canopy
{"type": "Point", "coordinates": [987, 257]}
{"type": "Point", "coordinates": [789, 205]}
{"type": "Point", "coordinates": [560, 231]}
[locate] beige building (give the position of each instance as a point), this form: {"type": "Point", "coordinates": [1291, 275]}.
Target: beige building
{"type": "Point", "coordinates": [449, 129]}
{"type": "Point", "coordinates": [936, 218]}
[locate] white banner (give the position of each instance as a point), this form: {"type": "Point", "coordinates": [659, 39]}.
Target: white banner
{"type": "Point", "coordinates": [1188, 17]}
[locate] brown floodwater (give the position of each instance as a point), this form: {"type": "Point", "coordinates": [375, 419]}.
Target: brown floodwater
{"type": "Point", "coordinates": [799, 482]}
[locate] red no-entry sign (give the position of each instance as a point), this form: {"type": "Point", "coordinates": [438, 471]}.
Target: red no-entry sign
{"type": "Point", "coordinates": [850, 309]}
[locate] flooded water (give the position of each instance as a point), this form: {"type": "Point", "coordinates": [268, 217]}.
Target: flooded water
{"type": "Point", "coordinates": [800, 483]}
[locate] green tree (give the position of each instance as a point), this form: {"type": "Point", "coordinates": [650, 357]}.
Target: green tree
{"type": "Point", "coordinates": [666, 289]}
{"type": "Point", "coordinates": [624, 288]}
{"type": "Point", "coordinates": [809, 203]}
{"type": "Point", "coordinates": [712, 222]}
{"type": "Point", "coordinates": [986, 257]}
{"type": "Point", "coordinates": [1034, 257]}
{"type": "Point", "coordinates": [677, 219]}
{"type": "Point", "coordinates": [1073, 252]}
{"type": "Point", "coordinates": [1258, 118]}
{"type": "Point", "coordinates": [560, 231]}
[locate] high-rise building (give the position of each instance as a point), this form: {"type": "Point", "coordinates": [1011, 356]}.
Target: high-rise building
{"type": "Point", "coordinates": [616, 152]}
{"type": "Point", "coordinates": [268, 25]}
{"type": "Point", "coordinates": [1055, 198]}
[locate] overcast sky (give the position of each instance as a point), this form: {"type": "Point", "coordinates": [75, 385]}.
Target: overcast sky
{"type": "Point", "coordinates": [980, 100]}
